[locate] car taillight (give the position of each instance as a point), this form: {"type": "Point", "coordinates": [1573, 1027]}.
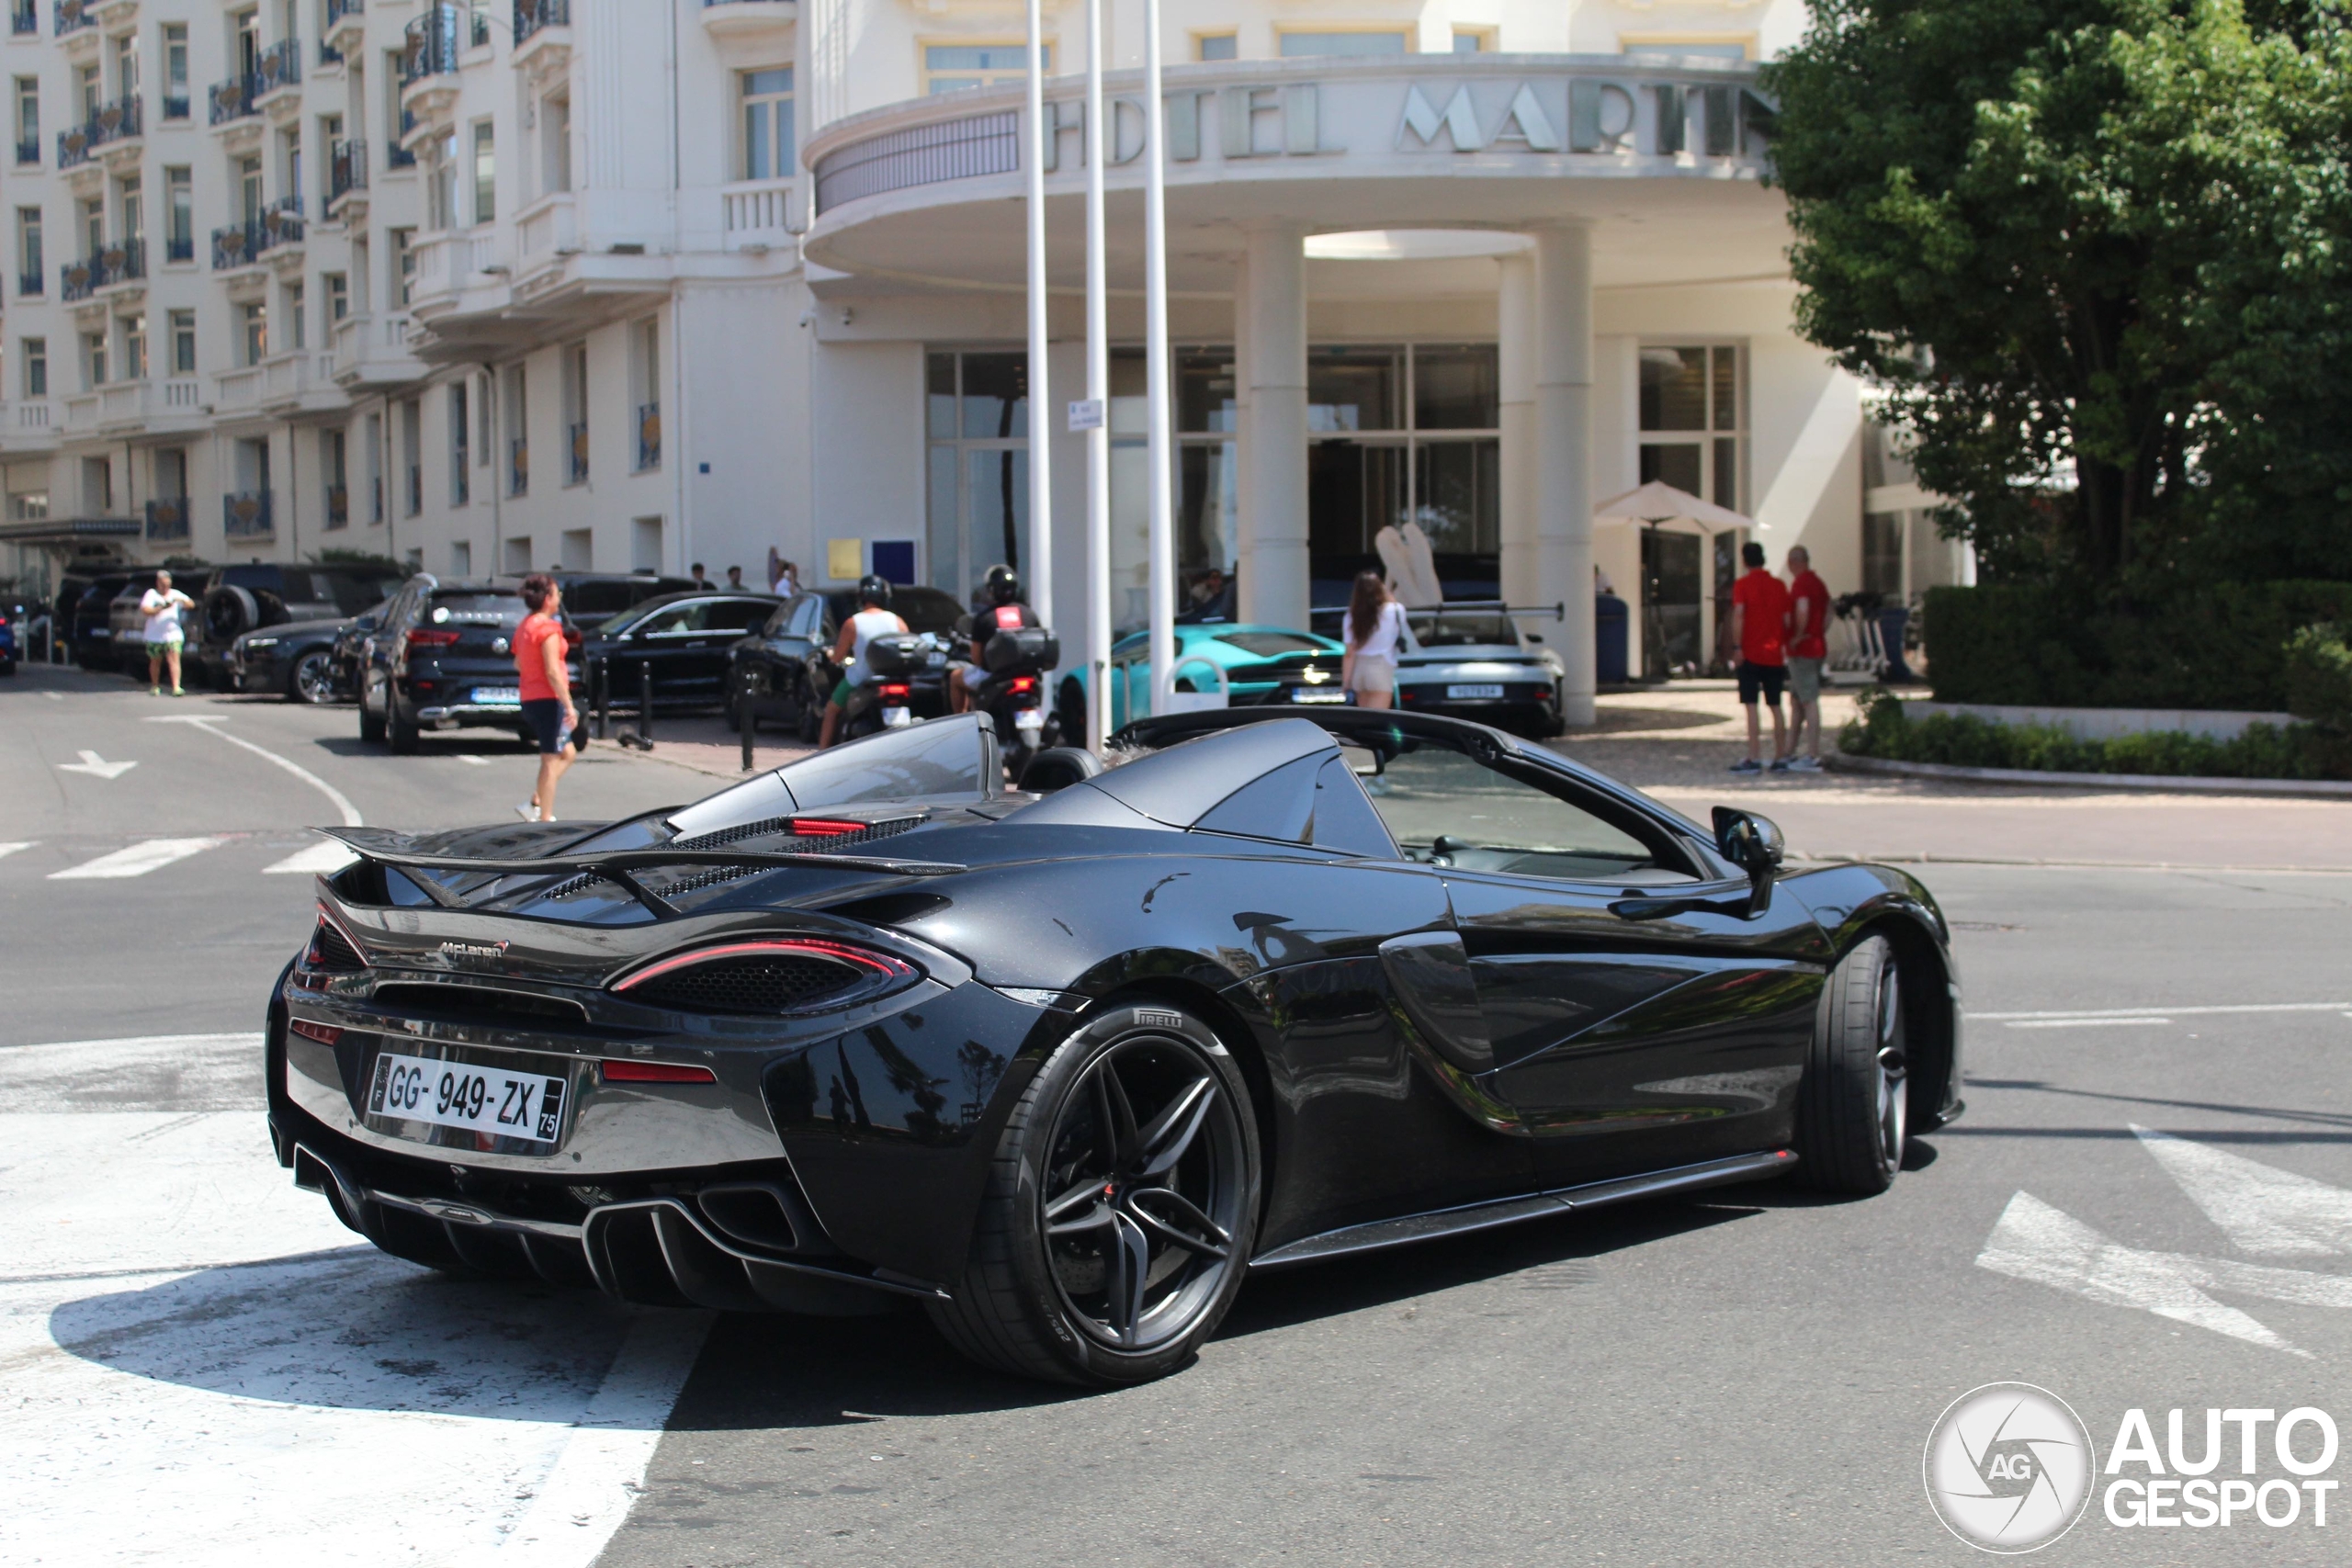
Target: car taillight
{"type": "Point", "coordinates": [324, 1033]}
{"type": "Point", "coordinates": [654, 1072]}
{"type": "Point", "coordinates": [899, 692]}
{"type": "Point", "coordinates": [767, 976]}
{"type": "Point", "coordinates": [429, 637]}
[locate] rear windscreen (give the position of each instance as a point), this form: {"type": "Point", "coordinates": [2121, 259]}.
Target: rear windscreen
{"type": "Point", "coordinates": [600, 598]}
{"type": "Point", "coordinates": [475, 610]}
{"type": "Point", "coordinates": [1270, 645]}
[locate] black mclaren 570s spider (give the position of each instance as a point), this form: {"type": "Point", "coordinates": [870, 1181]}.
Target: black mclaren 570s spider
{"type": "Point", "coordinates": [1282, 984]}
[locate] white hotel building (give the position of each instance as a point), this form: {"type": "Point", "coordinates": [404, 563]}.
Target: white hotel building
{"type": "Point", "coordinates": [630, 284]}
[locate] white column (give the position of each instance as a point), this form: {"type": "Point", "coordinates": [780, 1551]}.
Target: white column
{"type": "Point", "coordinates": [1516, 335]}
{"type": "Point", "coordinates": [1040, 574]}
{"type": "Point", "coordinates": [1098, 388]}
{"type": "Point", "coordinates": [1564, 452]}
{"type": "Point", "coordinates": [1158, 370]}
{"type": "Point", "coordinates": [1271, 312]}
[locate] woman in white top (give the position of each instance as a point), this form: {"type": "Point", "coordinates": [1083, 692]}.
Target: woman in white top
{"type": "Point", "coordinates": [161, 606]}
{"type": "Point", "coordinates": [1375, 627]}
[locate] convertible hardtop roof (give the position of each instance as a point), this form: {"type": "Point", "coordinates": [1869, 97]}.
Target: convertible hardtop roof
{"type": "Point", "coordinates": [1368, 727]}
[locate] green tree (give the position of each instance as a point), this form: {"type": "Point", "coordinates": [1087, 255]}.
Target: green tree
{"type": "Point", "coordinates": [2095, 236]}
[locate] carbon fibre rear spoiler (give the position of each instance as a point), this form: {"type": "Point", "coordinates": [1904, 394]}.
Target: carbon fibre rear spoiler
{"type": "Point", "coordinates": [615, 866]}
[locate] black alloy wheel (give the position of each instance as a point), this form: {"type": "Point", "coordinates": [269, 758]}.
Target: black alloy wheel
{"type": "Point", "coordinates": [1121, 1206]}
{"type": "Point", "coordinates": [1854, 1108]}
{"type": "Point", "coordinates": [311, 679]}
{"type": "Point", "coordinates": [400, 732]}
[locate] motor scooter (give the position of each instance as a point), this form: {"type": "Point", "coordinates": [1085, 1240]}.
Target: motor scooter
{"type": "Point", "coordinates": [904, 671]}
{"type": "Point", "coordinates": [1012, 693]}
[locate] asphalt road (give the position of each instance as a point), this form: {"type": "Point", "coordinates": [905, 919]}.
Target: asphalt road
{"type": "Point", "coordinates": [201, 1367]}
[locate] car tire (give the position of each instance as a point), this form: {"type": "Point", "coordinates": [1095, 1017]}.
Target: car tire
{"type": "Point", "coordinates": [1146, 1100]}
{"type": "Point", "coordinates": [371, 724]}
{"type": "Point", "coordinates": [1853, 1110]}
{"type": "Point", "coordinates": [402, 733]}
{"type": "Point", "coordinates": [312, 681]}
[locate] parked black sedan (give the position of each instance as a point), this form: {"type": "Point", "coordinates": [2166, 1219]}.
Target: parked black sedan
{"type": "Point", "coordinates": [681, 640]}
{"type": "Point", "coordinates": [1064, 1067]}
{"type": "Point", "coordinates": [302, 660]}
{"type": "Point", "coordinates": [443, 659]}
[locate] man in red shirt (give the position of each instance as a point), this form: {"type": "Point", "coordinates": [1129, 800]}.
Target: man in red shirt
{"type": "Point", "coordinates": [1808, 620]}
{"type": "Point", "coordinates": [1760, 624]}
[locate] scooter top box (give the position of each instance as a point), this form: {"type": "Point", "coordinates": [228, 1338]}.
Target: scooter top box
{"type": "Point", "coordinates": [897, 654]}
{"type": "Point", "coordinates": [1032, 645]}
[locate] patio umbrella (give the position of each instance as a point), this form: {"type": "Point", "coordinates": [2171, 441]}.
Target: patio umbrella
{"type": "Point", "coordinates": [1658, 502]}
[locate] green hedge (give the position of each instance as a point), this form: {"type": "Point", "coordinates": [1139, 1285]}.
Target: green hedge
{"type": "Point", "coordinates": [1964, 740]}
{"type": "Point", "coordinates": [2223, 647]}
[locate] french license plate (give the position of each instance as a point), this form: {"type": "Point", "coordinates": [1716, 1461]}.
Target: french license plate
{"type": "Point", "coordinates": [498, 697]}
{"type": "Point", "coordinates": [1472, 693]}
{"type": "Point", "coordinates": [457, 1094]}
{"type": "Point", "coordinates": [1317, 694]}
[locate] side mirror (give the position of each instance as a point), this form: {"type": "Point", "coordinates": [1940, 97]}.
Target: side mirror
{"type": "Point", "coordinates": [1754, 844]}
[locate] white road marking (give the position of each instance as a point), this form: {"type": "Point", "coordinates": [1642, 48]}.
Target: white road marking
{"type": "Point", "coordinates": [137, 859]}
{"type": "Point", "coordinates": [2171, 1011]}
{"type": "Point", "coordinates": [319, 860]}
{"type": "Point", "coordinates": [96, 767]}
{"type": "Point", "coordinates": [2264, 1210]}
{"type": "Point", "coordinates": [2079, 1022]}
{"type": "Point", "coordinates": [54, 696]}
{"type": "Point", "coordinates": [196, 1333]}
{"type": "Point", "coordinates": [469, 757]}
{"type": "Point", "coordinates": [7, 849]}
{"type": "Point", "coordinates": [207, 722]}
{"type": "Point", "coordinates": [2033, 1241]}
{"type": "Point", "coordinates": [133, 1043]}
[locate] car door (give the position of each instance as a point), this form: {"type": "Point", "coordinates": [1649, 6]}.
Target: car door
{"type": "Point", "coordinates": [1643, 1008]}
{"type": "Point", "coordinates": [702, 669]}
{"type": "Point", "coordinates": [664, 643]}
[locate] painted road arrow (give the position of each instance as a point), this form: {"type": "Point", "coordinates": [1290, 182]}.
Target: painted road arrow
{"type": "Point", "coordinates": [96, 766]}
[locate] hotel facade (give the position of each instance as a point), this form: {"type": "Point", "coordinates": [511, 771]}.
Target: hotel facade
{"type": "Point", "coordinates": [622, 285]}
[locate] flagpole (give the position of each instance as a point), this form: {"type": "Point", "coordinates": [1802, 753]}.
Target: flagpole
{"type": "Point", "coordinates": [1098, 391]}
{"type": "Point", "coordinates": [1040, 585]}
{"type": "Point", "coordinates": [1156, 367]}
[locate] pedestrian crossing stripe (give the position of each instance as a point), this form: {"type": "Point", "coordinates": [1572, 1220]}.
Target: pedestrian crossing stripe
{"type": "Point", "coordinates": [137, 859]}
{"type": "Point", "coordinates": [319, 860]}
{"type": "Point", "coordinates": [7, 849]}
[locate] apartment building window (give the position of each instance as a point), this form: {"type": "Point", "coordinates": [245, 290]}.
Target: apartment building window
{"type": "Point", "coordinates": [441, 182]}
{"type": "Point", "coordinates": [183, 329]}
{"type": "Point", "coordinates": [297, 334]}
{"type": "Point", "coordinates": [767, 123]}
{"type": "Point", "coordinates": [125, 65]}
{"type": "Point", "coordinates": [371, 452]}
{"type": "Point", "coordinates": [179, 217]}
{"type": "Point", "coordinates": [28, 120]}
{"type": "Point", "coordinates": [950, 67]}
{"type": "Point", "coordinates": [485, 174]}
{"type": "Point", "coordinates": [98, 484]}
{"type": "Point", "coordinates": [176, 94]}
{"type": "Point", "coordinates": [289, 165]}
{"type": "Point", "coordinates": [250, 198]}
{"type": "Point", "coordinates": [134, 348]}
{"type": "Point", "coordinates": [167, 473]}
{"type": "Point", "coordinates": [1216, 46]}
{"type": "Point", "coordinates": [575, 413]}
{"type": "Point", "coordinates": [460, 445]}
{"type": "Point", "coordinates": [253, 317]}
{"type": "Point", "coordinates": [88, 90]}
{"type": "Point", "coordinates": [403, 244]}
{"type": "Point", "coordinates": [94, 226]}
{"type": "Point", "coordinates": [478, 28]}
{"type": "Point", "coordinates": [1297, 45]}
{"type": "Point", "coordinates": [94, 360]}
{"type": "Point", "coordinates": [245, 27]}
{"type": "Point", "coordinates": [34, 357]}
{"type": "Point", "coordinates": [338, 287]}
{"type": "Point", "coordinates": [555, 145]}
{"type": "Point", "coordinates": [32, 270]}
{"type": "Point", "coordinates": [411, 456]}
{"type": "Point", "coordinates": [518, 430]}
{"type": "Point", "coordinates": [645, 345]}
{"type": "Point", "coordinates": [1474, 40]}
{"type": "Point", "coordinates": [130, 210]}
{"type": "Point", "coordinates": [1691, 417]}
{"type": "Point", "coordinates": [331, 466]}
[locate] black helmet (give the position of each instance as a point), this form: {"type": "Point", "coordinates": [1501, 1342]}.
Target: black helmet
{"type": "Point", "coordinates": [874, 589]}
{"type": "Point", "coordinates": [1002, 585]}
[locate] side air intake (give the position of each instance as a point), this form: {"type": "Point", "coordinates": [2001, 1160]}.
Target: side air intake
{"type": "Point", "coordinates": [767, 978]}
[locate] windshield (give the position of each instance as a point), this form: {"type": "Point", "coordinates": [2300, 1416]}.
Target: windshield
{"type": "Point", "coordinates": [1270, 645]}
{"type": "Point", "coordinates": [1462, 628]}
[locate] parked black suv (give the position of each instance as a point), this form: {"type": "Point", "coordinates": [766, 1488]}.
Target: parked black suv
{"type": "Point", "coordinates": [241, 599]}
{"type": "Point", "coordinates": [443, 658]}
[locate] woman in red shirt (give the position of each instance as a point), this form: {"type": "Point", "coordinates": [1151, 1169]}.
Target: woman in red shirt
{"type": "Point", "coordinates": [546, 690]}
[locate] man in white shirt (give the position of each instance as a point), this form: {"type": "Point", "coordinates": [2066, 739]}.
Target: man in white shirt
{"type": "Point", "coordinates": [161, 606]}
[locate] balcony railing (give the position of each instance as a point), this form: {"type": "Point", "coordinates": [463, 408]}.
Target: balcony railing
{"type": "Point", "coordinates": [180, 247]}
{"type": "Point", "coordinates": [518, 465]}
{"type": "Point", "coordinates": [23, 18]}
{"type": "Point", "coordinates": [167, 519]}
{"type": "Point", "coordinates": [576, 436]}
{"type": "Point", "coordinates": [72, 16]}
{"type": "Point", "coordinates": [338, 9]}
{"type": "Point", "coordinates": [233, 100]}
{"type": "Point", "coordinates": [28, 152]}
{"type": "Point", "coordinates": [329, 55]}
{"type": "Point", "coordinates": [346, 168]}
{"type": "Point", "coordinates": [125, 261]}
{"type": "Point", "coordinates": [242, 244]}
{"type": "Point", "coordinates": [246, 514]}
{"type": "Point", "coordinates": [175, 104]}
{"type": "Point", "coordinates": [280, 67]}
{"type": "Point", "coordinates": [116, 121]}
{"type": "Point", "coordinates": [649, 435]}
{"type": "Point", "coordinates": [338, 507]}
{"type": "Point", "coordinates": [31, 285]}
{"type": "Point", "coordinates": [430, 46]}
{"type": "Point", "coordinates": [530, 16]}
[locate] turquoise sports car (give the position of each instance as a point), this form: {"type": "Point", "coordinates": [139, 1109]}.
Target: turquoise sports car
{"type": "Point", "coordinates": [1260, 664]}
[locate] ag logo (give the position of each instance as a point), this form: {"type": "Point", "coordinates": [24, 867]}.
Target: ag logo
{"type": "Point", "coordinates": [2008, 1467]}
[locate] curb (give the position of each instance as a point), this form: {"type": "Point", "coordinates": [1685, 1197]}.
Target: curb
{"type": "Point", "coordinates": [2312, 789]}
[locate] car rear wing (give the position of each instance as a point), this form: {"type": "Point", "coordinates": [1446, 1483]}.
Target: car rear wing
{"type": "Point", "coordinates": [615, 866]}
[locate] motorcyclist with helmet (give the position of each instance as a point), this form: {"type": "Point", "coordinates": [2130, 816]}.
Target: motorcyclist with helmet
{"type": "Point", "coordinates": [1005, 613]}
{"type": "Point", "coordinates": [874, 618]}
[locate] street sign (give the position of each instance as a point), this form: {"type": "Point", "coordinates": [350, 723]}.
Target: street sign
{"type": "Point", "coordinates": [1086, 414]}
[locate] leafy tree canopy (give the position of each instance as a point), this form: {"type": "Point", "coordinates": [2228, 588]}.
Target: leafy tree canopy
{"type": "Point", "coordinates": [2093, 253]}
